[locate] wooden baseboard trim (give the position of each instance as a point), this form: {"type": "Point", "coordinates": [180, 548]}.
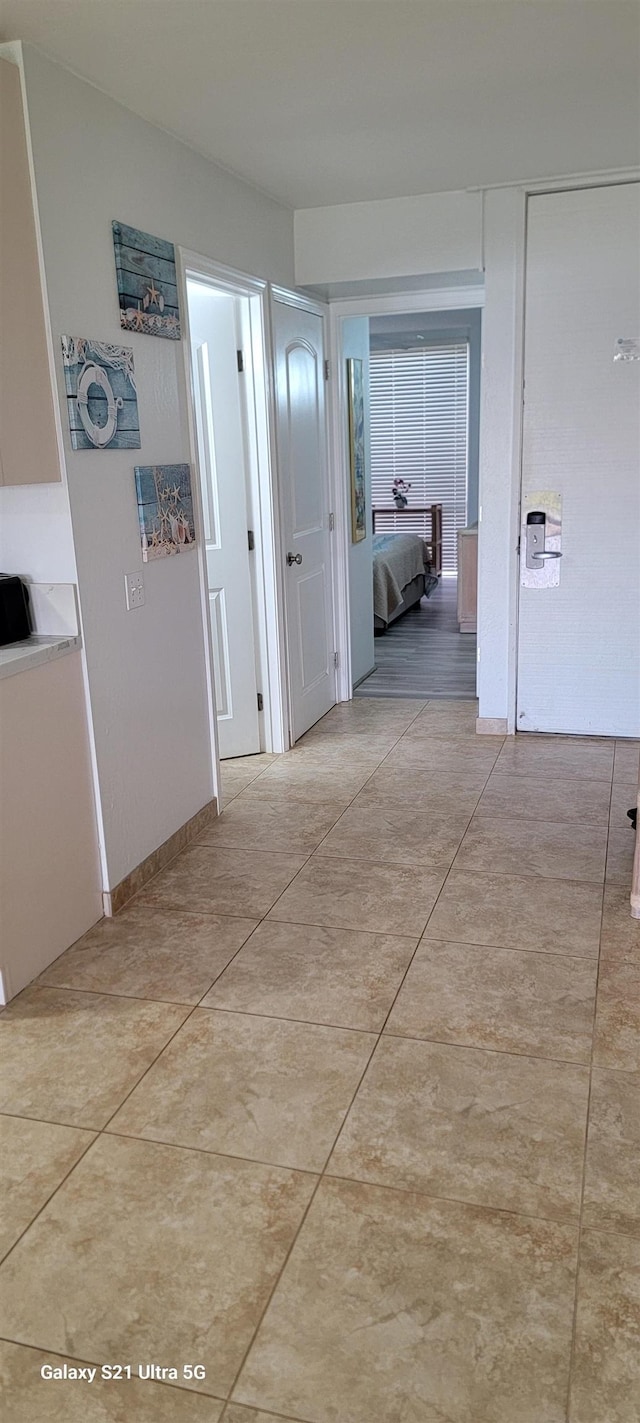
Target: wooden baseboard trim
{"type": "Point", "coordinates": [113, 900]}
{"type": "Point", "coordinates": [491, 726]}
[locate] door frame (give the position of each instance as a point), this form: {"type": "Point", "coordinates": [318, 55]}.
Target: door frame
{"type": "Point", "coordinates": [339, 589]}
{"type": "Point", "coordinates": [398, 303]}
{"type": "Point", "coordinates": [267, 590]}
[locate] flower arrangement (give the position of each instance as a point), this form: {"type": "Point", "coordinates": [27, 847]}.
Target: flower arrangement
{"type": "Point", "coordinates": [399, 491]}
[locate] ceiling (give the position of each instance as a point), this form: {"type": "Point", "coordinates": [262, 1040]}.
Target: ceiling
{"type": "Point", "coordinates": [335, 101]}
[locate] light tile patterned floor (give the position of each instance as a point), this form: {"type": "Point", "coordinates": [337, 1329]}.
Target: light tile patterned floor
{"type": "Point", "coordinates": [345, 1107]}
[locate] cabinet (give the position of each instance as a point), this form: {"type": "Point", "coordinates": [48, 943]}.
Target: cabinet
{"type": "Point", "coordinates": [29, 451]}
{"type": "Point", "coordinates": [467, 579]}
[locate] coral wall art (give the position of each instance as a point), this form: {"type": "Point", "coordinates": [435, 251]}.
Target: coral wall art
{"type": "Point", "coordinates": [147, 283]}
{"type": "Point", "coordinates": [102, 404]}
{"type": "Point", "coordinates": [165, 509]}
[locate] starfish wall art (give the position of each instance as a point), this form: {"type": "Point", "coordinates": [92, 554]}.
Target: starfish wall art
{"type": "Point", "coordinates": [147, 282]}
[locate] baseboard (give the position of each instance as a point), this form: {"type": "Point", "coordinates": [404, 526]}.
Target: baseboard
{"type": "Point", "coordinates": [491, 726]}
{"type": "Point", "coordinates": [115, 899]}
{"type": "Point", "coordinates": [364, 676]}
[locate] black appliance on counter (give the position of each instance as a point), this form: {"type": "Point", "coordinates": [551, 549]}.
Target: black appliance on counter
{"type": "Point", "coordinates": [15, 609]}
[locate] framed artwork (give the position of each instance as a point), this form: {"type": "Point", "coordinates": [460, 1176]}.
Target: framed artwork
{"type": "Point", "coordinates": [165, 509]}
{"type": "Point", "coordinates": [147, 283]}
{"type": "Point", "coordinates": [355, 387]}
{"type": "Point", "coordinates": [102, 404]}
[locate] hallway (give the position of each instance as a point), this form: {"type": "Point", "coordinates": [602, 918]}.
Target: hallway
{"type": "Point", "coordinates": [423, 655]}
{"type": "Point", "coordinates": [311, 1113]}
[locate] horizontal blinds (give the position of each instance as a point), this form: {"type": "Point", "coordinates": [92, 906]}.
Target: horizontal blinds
{"type": "Point", "coordinates": [419, 432]}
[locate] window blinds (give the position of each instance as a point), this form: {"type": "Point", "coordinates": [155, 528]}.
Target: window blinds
{"type": "Point", "coordinates": [419, 432]}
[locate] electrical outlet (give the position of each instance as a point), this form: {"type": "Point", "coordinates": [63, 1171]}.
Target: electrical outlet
{"type": "Point", "coordinates": [134, 590]}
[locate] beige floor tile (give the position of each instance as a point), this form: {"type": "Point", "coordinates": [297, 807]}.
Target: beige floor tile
{"type": "Point", "coordinates": [396, 1309]}
{"type": "Point", "coordinates": [578, 802]}
{"type": "Point", "coordinates": [439, 753]}
{"type": "Point", "coordinates": [334, 976]}
{"type": "Point", "coordinates": [32, 1399]}
{"type": "Point", "coordinates": [394, 834]}
{"type": "Point", "coordinates": [431, 792]}
{"type": "Point", "coordinates": [148, 952]}
{"type": "Point", "coordinates": [498, 998]}
{"type": "Point", "coordinates": [34, 1158]}
{"type": "Point", "coordinates": [612, 1178]}
{"type": "Point", "coordinates": [329, 754]}
{"type": "Point", "coordinates": [606, 1370]}
{"type": "Point", "coordinates": [168, 1255]}
{"type": "Point", "coordinates": [620, 932]}
{"type": "Point", "coordinates": [445, 719]}
{"type": "Point", "coordinates": [261, 1088]}
{"type": "Point", "coordinates": [280, 824]}
{"type": "Point", "coordinates": [362, 739]}
{"type": "Point", "coordinates": [484, 1127]}
{"type": "Point", "coordinates": [534, 847]}
{"type": "Point", "coordinates": [223, 881]}
{"type": "Point", "coordinates": [250, 765]}
{"type": "Point", "coordinates": [317, 780]}
{"type": "Point", "coordinates": [544, 915]}
{"type": "Point", "coordinates": [386, 711]}
{"type": "Point", "coordinates": [232, 783]}
{"type": "Point", "coordinates": [617, 1033]}
{"type": "Point", "coordinates": [621, 842]}
{"type": "Point", "coordinates": [72, 1057]}
{"type": "Point", "coordinates": [237, 1413]}
{"type": "Point", "coordinates": [626, 765]}
{"type": "Point", "coordinates": [565, 756]}
{"type": "Point", "coordinates": [353, 894]}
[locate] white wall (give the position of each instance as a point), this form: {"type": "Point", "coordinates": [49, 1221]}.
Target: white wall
{"type": "Point", "coordinates": [500, 429]}
{"type": "Point", "coordinates": [95, 161]}
{"type": "Point", "coordinates": [397, 237]}
{"type": "Point", "coordinates": [355, 337]}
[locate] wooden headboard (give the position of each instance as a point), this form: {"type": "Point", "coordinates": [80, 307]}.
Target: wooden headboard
{"type": "Point", "coordinates": [433, 538]}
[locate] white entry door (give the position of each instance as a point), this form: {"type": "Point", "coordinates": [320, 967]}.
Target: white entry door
{"type": "Point", "coordinates": [579, 641]}
{"type": "Point", "coordinates": [304, 485]}
{"type": "Point", "coordinates": [213, 324]}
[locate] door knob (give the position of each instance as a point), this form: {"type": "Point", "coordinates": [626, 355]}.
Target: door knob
{"type": "Point", "coordinates": [294, 558]}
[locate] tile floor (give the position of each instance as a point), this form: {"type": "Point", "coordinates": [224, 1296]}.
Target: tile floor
{"type": "Point", "coordinates": [345, 1106]}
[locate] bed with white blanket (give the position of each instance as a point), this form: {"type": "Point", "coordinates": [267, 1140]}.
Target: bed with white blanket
{"type": "Point", "coordinates": [401, 576]}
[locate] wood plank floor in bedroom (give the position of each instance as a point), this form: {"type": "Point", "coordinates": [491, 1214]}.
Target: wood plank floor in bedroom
{"type": "Point", "coordinates": [423, 654]}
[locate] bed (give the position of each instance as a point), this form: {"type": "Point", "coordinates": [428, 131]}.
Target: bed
{"type": "Point", "coordinates": [405, 566]}
{"type": "Point", "coordinates": [401, 576]}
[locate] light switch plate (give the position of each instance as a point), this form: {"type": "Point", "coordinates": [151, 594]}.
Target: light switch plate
{"type": "Point", "coordinates": [134, 590]}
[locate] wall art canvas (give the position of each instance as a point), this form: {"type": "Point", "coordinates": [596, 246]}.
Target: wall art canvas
{"type": "Point", "coordinates": [165, 509]}
{"type": "Point", "coordinates": [102, 404]}
{"type": "Point", "coordinates": [147, 282]}
{"type": "Point", "coordinates": [355, 387]}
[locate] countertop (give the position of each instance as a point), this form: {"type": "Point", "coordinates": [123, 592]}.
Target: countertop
{"type": "Point", "coordinates": [21, 656]}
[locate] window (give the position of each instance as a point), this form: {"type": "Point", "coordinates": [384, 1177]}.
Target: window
{"type": "Point", "coordinates": [419, 432]}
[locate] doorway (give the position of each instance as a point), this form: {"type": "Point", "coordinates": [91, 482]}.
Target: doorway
{"type": "Point", "coordinates": [422, 357]}
{"type": "Point", "coordinates": [578, 644]}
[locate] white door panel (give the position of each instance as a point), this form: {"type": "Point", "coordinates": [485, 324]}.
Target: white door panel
{"type": "Point", "coordinates": [302, 458]}
{"type": "Point", "coordinates": [219, 422]}
{"type": "Point", "coordinates": [579, 642]}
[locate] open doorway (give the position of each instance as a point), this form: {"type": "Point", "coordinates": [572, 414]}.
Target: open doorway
{"type": "Point", "coordinates": [424, 400]}
{"type": "Point", "coordinates": [231, 437]}
{"type": "Point", "coordinates": [412, 625]}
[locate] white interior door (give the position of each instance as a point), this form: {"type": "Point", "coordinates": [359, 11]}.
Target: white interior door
{"type": "Point", "coordinates": [579, 641]}
{"type": "Point", "coordinates": [213, 323]}
{"type": "Point", "coordinates": [304, 485]}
